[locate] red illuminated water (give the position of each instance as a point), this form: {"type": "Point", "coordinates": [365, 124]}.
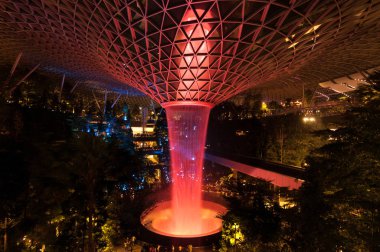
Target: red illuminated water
{"type": "Point", "coordinates": [187, 215]}
{"type": "Point", "coordinates": [187, 126]}
{"type": "Point", "coordinates": [159, 220]}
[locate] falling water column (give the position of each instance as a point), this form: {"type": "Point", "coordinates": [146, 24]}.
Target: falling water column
{"type": "Point", "coordinates": [187, 125]}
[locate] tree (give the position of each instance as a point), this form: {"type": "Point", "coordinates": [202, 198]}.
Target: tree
{"type": "Point", "coordinates": [274, 105]}
{"type": "Point", "coordinates": [70, 185]}
{"type": "Point", "coordinates": [13, 185]}
{"type": "Point", "coordinates": [89, 164]}
{"type": "Point", "coordinates": [84, 188]}
{"type": "Point", "coordinates": [340, 198]}
{"type": "Point", "coordinates": [290, 140]}
{"type": "Point", "coordinates": [253, 221]}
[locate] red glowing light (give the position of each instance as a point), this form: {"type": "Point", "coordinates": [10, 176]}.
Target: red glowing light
{"type": "Point", "coordinates": [159, 219]}
{"type": "Point", "coordinates": [187, 125]}
{"type": "Point", "coordinates": [192, 50]}
{"type": "Point", "coordinates": [195, 60]}
{"type": "Point", "coordinates": [156, 46]}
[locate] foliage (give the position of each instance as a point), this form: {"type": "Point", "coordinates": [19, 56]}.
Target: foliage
{"type": "Point", "coordinates": [55, 183]}
{"type": "Point", "coordinates": [289, 140]}
{"type": "Point", "coordinates": [58, 188]}
{"type": "Point", "coordinates": [13, 178]}
{"type": "Point", "coordinates": [254, 216]}
{"type": "Point", "coordinates": [340, 198]}
{"type": "Point", "coordinates": [13, 187]}
{"type": "Point", "coordinates": [109, 235]}
{"type": "Point", "coordinates": [284, 139]}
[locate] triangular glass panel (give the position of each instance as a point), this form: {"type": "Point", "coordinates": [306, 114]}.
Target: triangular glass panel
{"type": "Point", "coordinates": [188, 75]}
{"type": "Point", "coordinates": [177, 13]}
{"type": "Point", "coordinates": [196, 44]}
{"type": "Point", "coordinates": [189, 16]}
{"type": "Point", "coordinates": [188, 84]}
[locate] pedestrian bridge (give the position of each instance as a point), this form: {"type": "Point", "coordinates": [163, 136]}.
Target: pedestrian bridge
{"type": "Point", "coordinates": [278, 174]}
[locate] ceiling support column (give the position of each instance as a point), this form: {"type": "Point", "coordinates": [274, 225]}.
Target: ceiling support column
{"type": "Point", "coordinates": [23, 79]}
{"type": "Point", "coordinates": [15, 64]}
{"type": "Point", "coordinates": [117, 99]}
{"type": "Point", "coordinates": [60, 91]}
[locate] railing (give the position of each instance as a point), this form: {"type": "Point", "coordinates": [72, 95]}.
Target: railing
{"type": "Point", "coordinates": [148, 149]}
{"type": "Point", "coordinates": [144, 135]}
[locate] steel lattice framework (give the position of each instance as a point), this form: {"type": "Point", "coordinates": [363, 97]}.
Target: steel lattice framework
{"type": "Point", "coordinates": [202, 50]}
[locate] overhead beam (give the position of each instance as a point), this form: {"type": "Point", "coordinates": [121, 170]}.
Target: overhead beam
{"type": "Point", "coordinates": [96, 100]}
{"type": "Point", "coordinates": [117, 99]}
{"type": "Point", "coordinates": [75, 86]}
{"type": "Point", "coordinates": [15, 64]}
{"type": "Point", "coordinates": [105, 102]}
{"type": "Point", "coordinates": [23, 79]}
{"type": "Point", "coordinates": [62, 84]}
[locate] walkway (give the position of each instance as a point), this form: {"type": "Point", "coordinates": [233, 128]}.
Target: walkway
{"type": "Point", "coordinates": [278, 174]}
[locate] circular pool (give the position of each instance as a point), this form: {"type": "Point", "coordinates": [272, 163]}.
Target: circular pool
{"type": "Point", "coordinates": [159, 219]}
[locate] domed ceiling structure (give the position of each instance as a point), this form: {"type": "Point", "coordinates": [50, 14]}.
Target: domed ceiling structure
{"type": "Point", "coordinates": [194, 50]}
{"type": "Point", "coordinates": [190, 55]}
